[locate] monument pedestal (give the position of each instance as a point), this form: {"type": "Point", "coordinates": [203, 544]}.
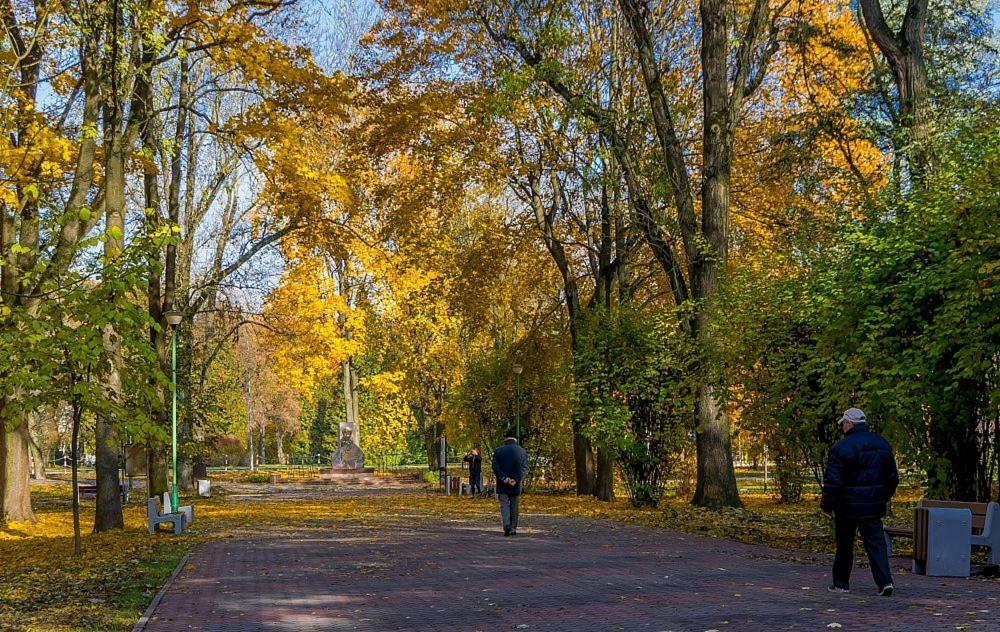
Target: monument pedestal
{"type": "Point", "coordinates": [348, 475]}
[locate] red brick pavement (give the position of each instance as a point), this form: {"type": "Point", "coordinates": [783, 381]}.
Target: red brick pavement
{"type": "Point", "coordinates": [559, 574]}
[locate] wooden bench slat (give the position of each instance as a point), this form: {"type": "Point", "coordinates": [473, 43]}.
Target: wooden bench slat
{"type": "Point", "coordinates": [899, 531]}
{"type": "Point", "coordinates": [977, 509]}
{"type": "Point", "coordinates": [921, 522]}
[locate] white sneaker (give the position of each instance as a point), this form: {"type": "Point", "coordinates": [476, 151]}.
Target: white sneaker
{"type": "Point", "coordinates": [886, 591]}
{"type": "Point", "coordinates": [838, 590]}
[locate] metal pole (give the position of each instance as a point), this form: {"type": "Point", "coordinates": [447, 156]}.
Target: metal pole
{"type": "Point", "coordinates": [173, 381]}
{"type": "Point", "coordinates": [250, 418]}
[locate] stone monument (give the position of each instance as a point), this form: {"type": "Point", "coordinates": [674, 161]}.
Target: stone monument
{"type": "Point", "coordinates": [349, 456]}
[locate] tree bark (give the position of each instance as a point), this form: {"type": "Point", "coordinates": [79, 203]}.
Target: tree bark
{"type": "Point", "coordinates": [583, 459]}
{"type": "Point", "coordinates": [158, 470]}
{"type": "Point", "coordinates": [604, 487]}
{"type": "Point", "coordinates": [716, 475]}
{"type": "Point", "coordinates": [433, 430]}
{"type": "Point", "coordinates": [108, 514]}
{"type": "Point", "coordinates": [77, 408]}
{"type": "Point", "coordinates": [350, 379]}
{"type": "Point", "coordinates": [279, 446]}
{"type": "Point", "coordinates": [262, 442]}
{"type": "Point", "coordinates": [904, 52]}
{"type": "Point", "coordinates": [15, 473]}
{"type": "Point", "coordinates": [716, 482]}
{"type": "Point", "coordinates": [37, 459]}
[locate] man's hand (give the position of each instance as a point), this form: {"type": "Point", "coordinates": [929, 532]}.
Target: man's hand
{"type": "Point", "coordinates": [828, 514]}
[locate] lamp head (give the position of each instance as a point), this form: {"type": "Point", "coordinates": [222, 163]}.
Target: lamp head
{"type": "Point", "coordinates": [173, 317]}
{"type": "Point", "coordinates": [518, 368]}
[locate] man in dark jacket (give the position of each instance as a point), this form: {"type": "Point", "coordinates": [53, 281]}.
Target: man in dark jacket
{"type": "Point", "coordinates": [860, 479]}
{"type": "Point", "coordinates": [510, 466]}
{"type": "Point", "coordinates": [475, 471]}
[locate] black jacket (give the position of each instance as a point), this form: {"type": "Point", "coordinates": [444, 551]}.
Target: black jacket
{"type": "Point", "coordinates": [475, 464]}
{"type": "Point", "coordinates": [861, 476]}
{"type": "Point", "coordinates": [510, 461]}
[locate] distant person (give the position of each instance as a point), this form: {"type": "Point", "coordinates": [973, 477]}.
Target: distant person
{"type": "Point", "coordinates": [860, 479]}
{"type": "Point", "coordinates": [510, 466]}
{"type": "Point", "coordinates": [475, 462]}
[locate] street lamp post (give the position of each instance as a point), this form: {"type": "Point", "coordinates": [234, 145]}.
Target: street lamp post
{"type": "Point", "coordinates": [517, 377]}
{"type": "Point", "coordinates": [173, 318]}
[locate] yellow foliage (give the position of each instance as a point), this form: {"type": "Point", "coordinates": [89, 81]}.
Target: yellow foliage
{"type": "Point", "coordinates": [387, 418]}
{"type": "Point", "coordinates": [316, 328]}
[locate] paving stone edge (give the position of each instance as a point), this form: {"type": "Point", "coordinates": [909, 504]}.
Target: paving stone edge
{"type": "Point", "coordinates": [140, 625]}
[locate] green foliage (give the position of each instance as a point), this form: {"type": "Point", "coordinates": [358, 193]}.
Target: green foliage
{"type": "Point", "coordinates": [57, 347]}
{"type": "Point", "coordinates": [254, 477]}
{"type": "Point", "coordinates": [921, 307]}
{"type": "Point", "coordinates": [900, 318]}
{"type": "Point", "coordinates": [485, 404]}
{"type": "Point", "coordinates": [635, 382]}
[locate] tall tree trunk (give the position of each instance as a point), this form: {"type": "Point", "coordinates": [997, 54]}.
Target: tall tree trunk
{"type": "Point", "coordinates": [583, 450]}
{"type": "Point", "coordinates": [350, 380]}
{"type": "Point", "coordinates": [716, 486]}
{"type": "Point", "coordinates": [433, 431]}
{"type": "Point", "coordinates": [108, 514]}
{"type": "Point", "coordinates": [15, 474]}
{"type": "Point", "coordinates": [583, 460]}
{"type": "Point", "coordinates": [251, 457]}
{"type": "Point", "coordinates": [185, 471]}
{"type": "Point", "coordinates": [77, 408]}
{"type": "Point", "coordinates": [158, 470]}
{"type": "Point", "coordinates": [716, 474]}
{"type": "Point", "coordinates": [37, 459]}
{"type": "Point", "coordinates": [604, 486]}
{"type": "Point", "coordinates": [904, 52]}
{"type": "Point", "coordinates": [262, 442]}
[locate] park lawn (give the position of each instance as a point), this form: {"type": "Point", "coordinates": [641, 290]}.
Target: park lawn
{"type": "Point", "coordinates": [44, 588]}
{"type": "Point", "coordinates": [762, 520]}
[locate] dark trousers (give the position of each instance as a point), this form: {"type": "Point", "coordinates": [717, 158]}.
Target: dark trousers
{"type": "Point", "coordinates": [476, 483]}
{"type": "Point", "coordinates": [873, 537]}
{"type": "Point", "coordinates": [509, 510]}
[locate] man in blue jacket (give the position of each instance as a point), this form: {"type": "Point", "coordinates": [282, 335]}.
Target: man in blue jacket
{"type": "Point", "coordinates": [510, 466]}
{"type": "Point", "coordinates": [860, 479]}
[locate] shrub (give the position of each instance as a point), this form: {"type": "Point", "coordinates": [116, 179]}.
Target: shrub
{"type": "Point", "coordinates": [636, 386]}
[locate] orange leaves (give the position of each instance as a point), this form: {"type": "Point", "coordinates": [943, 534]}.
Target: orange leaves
{"type": "Point", "coordinates": [802, 156]}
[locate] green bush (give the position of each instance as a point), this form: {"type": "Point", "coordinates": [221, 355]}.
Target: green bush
{"type": "Point", "coordinates": [254, 477]}
{"type": "Point", "coordinates": [635, 384]}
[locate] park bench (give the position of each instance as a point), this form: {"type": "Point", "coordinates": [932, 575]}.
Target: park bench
{"type": "Point", "coordinates": [187, 510]}
{"type": "Point", "coordinates": [178, 519]}
{"type": "Point", "coordinates": [89, 490]}
{"type": "Point", "coordinates": [944, 533]}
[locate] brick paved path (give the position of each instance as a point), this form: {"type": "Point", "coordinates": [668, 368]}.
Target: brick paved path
{"type": "Point", "coordinates": [420, 573]}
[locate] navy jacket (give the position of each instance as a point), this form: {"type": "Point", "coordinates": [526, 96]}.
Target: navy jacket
{"type": "Point", "coordinates": [510, 461]}
{"type": "Point", "coordinates": [861, 476]}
